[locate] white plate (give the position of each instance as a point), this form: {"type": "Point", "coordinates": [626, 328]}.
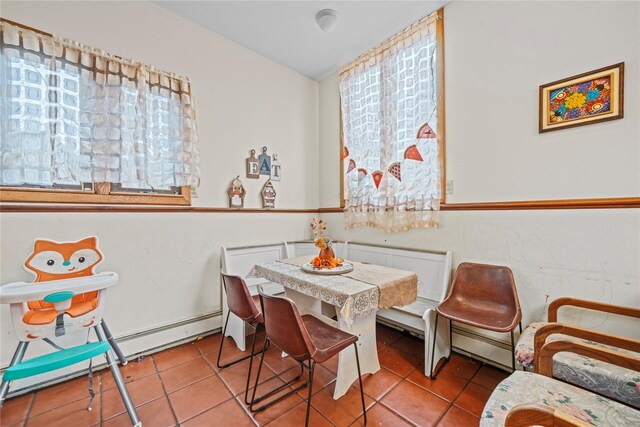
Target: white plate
{"type": "Point", "coordinates": [346, 267]}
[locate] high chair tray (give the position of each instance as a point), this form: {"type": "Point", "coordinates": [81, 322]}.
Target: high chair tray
{"type": "Point", "coordinates": [21, 292]}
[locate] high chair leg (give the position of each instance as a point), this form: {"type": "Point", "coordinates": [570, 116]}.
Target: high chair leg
{"type": "Point", "coordinates": [113, 343]}
{"type": "Point", "coordinates": [17, 358]}
{"type": "Point", "coordinates": [117, 377]}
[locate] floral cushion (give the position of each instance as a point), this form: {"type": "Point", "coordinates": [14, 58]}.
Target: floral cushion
{"type": "Point", "coordinates": [603, 378]}
{"type": "Point", "coordinates": [527, 387]}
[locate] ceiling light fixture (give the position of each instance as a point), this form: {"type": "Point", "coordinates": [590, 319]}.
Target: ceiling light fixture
{"type": "Point", "coordinates": [327, 20]}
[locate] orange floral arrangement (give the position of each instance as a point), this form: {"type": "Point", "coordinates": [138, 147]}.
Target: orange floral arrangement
{"type": "Point", "coordinates": [327, 258]}
{"type": "Point", "coordinates": [318, 262]}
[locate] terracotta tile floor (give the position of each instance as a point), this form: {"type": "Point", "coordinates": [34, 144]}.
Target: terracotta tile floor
{"type": "Point", "coordinates": [183, 387]}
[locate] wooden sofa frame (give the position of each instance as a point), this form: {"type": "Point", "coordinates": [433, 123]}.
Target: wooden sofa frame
{"type": "Point", "coordinates": [552, 315]}
{"type": "Point", "coordinates": [535, 414]}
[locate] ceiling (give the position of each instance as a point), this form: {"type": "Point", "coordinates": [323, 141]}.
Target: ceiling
{"type": "Point", "coordinates": [286, 31]}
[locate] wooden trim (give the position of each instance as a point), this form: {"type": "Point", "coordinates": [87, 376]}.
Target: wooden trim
{"type": "Point", "coordinates": [552, 315]}
{"type": "Point", "coordinates": [440, 95]}
{"type": "Point", "coordinates": [604, 203]}
{"type": "Point", "coordinates": [102, 195]}
{"type": "Point", "coordinates": [619, 89]}
{"type": "Point", "coordinates": [618, 203]}
{"type": "Point", "coordinates": [535, 414]}
{"type": "Point", "coordinates": [610, 203]}
{"type": "Point", "coordinates": [541, 335]}
{"type": "Point", "coordinates": [544, 358]}
{"type": "Point", "coordinates": [4, 208]}
{"type": "Point", "coordinates": [26, 27]}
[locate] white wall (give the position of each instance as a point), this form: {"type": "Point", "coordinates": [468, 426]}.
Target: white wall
{"type": "Point", "coordinates": [243, 100]}
{"type": "Point", "coordinates": [496, 56]}
{"type": "Point", "coordinates": [169, 263]}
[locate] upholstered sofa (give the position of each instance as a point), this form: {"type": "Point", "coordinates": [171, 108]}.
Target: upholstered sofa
{"type": "Point", "coordinates": [527, 398]}
{"type": "Point", "coordinates": [616, 382]}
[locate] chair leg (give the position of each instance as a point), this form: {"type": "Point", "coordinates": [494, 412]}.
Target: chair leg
{"type": "Point", "coordinates": [433, 347]}
{"type": "Point", "coordinates": [253, 348]}
{"type": "Point", "coordinates": [255, 387]}
{"type": "Point", "coordinates": [311, 371]}
{"type": "Point", "coordinates": [117, 377]}
{"type": "Point", "coordinates": [364, 408]}
{"type": "Point", "coordinates": [113, 343]}
{"type": "Point", "coordinates": [233, 362]}
{"type": "Point", "coordinates": [513, 353]}
{"type": "Point", "coordinates": [450, 339]}
{"type": "Point", "coordinates": [255, 399]}
{"type": "Point", "coordinates": [18, 355]}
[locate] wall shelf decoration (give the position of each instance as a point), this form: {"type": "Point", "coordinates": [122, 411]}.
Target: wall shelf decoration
{"type": "Point", "coordinates": [253, 167]}
{"type": "Point", "coordinates": [236, 193]}
{"type": "Point", "coordinates": [276, 169]}
{"type": "Point", "coordinates": [592, 97]}
{"type": "Point", "coordinates": [268, 195]}
{"type": "Point", "coordinates": [265, 162]}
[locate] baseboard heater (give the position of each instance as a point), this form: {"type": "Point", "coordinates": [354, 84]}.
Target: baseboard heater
{"type": "Point", "coordinates": [463, 332]}
{"type": "Point", "coordinates": [130, 356]}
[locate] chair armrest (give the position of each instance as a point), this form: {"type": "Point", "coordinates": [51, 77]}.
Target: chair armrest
{"type": "Point", "coordinates": [530, 414]}
{"type": "Point", "coordinates": [588, 334]}
{"type": "Point", "coordinates": [544, 358]}
{"type": "Point", "coordinates": [552, 315]}
{"type": "Point", "coordinates": [18, 292]}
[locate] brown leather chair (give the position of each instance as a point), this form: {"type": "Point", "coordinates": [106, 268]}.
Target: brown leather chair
{"type": "Point", "coordinates": [245, 306]}
{"type": "Point", "coordinates": [483, 296]}
{"type": "Point", "coordinates": [305, 339]}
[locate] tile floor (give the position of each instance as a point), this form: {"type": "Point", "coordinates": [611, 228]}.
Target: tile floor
{"type": "Point", "coordinates": [183, 387]}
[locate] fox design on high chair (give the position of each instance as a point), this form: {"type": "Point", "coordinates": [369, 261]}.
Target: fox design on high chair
{"type": "Point", "coordinates": [54, 261]}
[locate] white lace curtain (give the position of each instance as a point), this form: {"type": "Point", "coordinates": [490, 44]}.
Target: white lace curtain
{"type": "Point", "coordinates": [389, 116]}
{"type": "Point", "coordinates": [72, 114]}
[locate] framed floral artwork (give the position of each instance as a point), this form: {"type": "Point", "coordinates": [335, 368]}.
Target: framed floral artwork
{"type": "Point", "coordinates": [592, 97]}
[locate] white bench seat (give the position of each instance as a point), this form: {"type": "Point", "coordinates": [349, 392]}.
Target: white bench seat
{"type": "Point", "coordinates": [239, 261]}
{"type": "Point", "coordinates": [434, 271]}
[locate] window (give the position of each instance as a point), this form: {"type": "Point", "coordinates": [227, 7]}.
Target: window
{"type": "Point", "coordinates": [80, 125]}
{"type": "Point", "coordinates": [393, 132]}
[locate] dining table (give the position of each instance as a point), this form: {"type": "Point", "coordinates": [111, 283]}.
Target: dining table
{"type": "Point", "coordinates": [356, 295]}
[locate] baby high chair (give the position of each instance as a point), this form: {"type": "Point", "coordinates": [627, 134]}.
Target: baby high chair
{"type": "Point", "coordinates": [67, 296]}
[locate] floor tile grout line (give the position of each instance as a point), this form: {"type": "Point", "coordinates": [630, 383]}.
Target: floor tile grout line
{"type": "Point", "coordinates": [166, 395]}
{"type": "Point", "coordinates": [460, 407]}
{"type": "Point", "coordinates": [124, 376]}
{"type": "Point", "coordinates": [102, 420]}
{"type": "Point", "coordinates": [397, 414]}
{"type": "Point", "coordinates": [216, 374]}
{"type": "Point", "coordinates": [179, 364]}
{"type": "Point", "coordinates": [206, 410]}
{"type": "Point", "coordinates": [233, 396]}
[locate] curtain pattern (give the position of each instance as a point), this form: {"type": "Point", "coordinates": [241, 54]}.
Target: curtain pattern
{"type": "Point", "coordinates": [392, 174]}
{"type": "Point", "coordinates": [72, 114]}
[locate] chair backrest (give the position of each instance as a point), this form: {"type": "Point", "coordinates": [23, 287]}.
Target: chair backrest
{"type": "Point", "coordinates": [239, 299]}
{"type": "Point", "coordinates": [285, 327]}
{"type": "Point", "coordinates": [484, 282]}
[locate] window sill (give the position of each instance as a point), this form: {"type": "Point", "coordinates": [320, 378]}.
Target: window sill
{"type": "Point", "coordinates": [22, 195]}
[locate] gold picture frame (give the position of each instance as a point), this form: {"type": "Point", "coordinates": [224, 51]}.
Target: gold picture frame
{"type": "Point", "coordinates": [592, 97]}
